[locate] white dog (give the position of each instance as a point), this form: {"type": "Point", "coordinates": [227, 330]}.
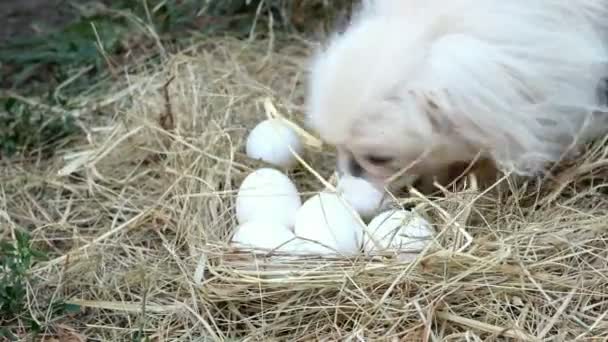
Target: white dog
{"type": "Point", "coordinates": [419, 85]}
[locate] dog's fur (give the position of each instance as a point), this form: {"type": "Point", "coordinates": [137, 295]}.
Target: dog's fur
{"type": "Point", "coordinates": [423, 84]}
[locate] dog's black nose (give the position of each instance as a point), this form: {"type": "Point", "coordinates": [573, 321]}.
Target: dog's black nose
{"type": "Point", "coordinates": [355, 169]}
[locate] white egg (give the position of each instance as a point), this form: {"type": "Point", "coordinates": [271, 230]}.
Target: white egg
{"type": "Point", "coordinates": [326, 219]}
{"type": "Point", "coordinates": [264, 235]}
{"type": "Point", "coordinates": [398, 231]}
{"type": "Point", "coordinates": [268, 195]}
{"type": "Point", "coordinates": [362, 195]}
{"type": "Point", "coordinates": [269, 141]}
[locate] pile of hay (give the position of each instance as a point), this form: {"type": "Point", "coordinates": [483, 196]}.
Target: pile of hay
{"type": "Point", "coordinates": [139, 216]}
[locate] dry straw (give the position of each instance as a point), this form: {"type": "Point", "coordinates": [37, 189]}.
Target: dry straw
{"type": "Point", "coordinates": [139, 216]}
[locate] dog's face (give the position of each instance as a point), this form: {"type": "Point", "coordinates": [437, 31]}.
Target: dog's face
{"type": "Point", "coordinates": [380, 134]}
{"type": "Point", "coordinates": [357, 101]}
{"type": "Point", "coordinates": [378, 147]}
{"type": "Point", "coordinates": [388, 141]}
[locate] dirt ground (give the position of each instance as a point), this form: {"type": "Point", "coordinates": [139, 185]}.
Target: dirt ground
{"type": "Point", "coordinates": [26, 17]}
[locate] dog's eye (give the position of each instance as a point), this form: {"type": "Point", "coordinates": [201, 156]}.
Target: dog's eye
{"type": "Point", "coordinates": [379, 160]}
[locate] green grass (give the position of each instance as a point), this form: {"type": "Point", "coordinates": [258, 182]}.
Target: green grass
{"type": "Point", "coordinates": [24, 128]}
{"type": "Point", "coordinates": [37, 66]}
{"type": "Point", "coordinates": [16, 258]}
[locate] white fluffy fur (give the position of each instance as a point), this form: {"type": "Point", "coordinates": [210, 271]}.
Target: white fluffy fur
{"type": "Point", "coordinates": [516, 80]}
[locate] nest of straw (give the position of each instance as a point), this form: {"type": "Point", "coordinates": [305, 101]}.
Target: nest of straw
{"type": "Point", "coordinates": [138, 218]}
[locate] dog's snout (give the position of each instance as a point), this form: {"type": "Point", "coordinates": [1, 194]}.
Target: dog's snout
{"type": "Point", "coordinates": [347, 164]}
{"type": "Point", "coordinates": [355, 169]}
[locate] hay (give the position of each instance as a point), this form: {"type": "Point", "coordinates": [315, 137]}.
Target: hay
{"type": "Point", "coordinates": [138, 218]}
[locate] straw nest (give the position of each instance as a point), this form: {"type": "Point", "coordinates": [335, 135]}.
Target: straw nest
{"type": "Point", "coordinates": [138, 218]}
